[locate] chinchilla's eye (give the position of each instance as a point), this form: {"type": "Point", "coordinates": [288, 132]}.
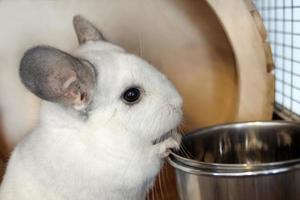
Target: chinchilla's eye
{"type": "Point", "coordinates": [132, 95]}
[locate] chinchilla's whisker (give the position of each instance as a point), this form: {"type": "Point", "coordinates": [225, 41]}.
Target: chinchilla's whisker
{"type": "Point", "coordinates": [183, 151]}
{"type": "Point", "coordinates": [186, 152]}
{"type": "Point", "coordinates": [189, 154]}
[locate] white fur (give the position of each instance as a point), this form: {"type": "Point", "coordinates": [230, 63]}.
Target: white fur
{"type": "Point", "coordinates": [108, 154]}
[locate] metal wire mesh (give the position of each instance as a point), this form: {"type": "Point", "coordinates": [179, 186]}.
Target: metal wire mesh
{"type": "Point", "coordinates": [282, 21]}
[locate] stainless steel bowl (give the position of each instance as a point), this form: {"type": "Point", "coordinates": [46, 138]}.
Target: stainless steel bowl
{"type": "Point", "coordinates": [241, 161]}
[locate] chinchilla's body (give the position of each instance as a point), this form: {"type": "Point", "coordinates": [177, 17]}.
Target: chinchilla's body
{"type": "Point", "coordinates": [107, 119]}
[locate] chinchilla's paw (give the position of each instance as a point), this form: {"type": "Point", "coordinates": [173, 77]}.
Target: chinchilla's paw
{"type": "Point", "coordinates": [173, 142]}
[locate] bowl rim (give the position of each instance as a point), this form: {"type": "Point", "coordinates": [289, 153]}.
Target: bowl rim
{"type": "Point", "coordinates": [223, 173]}
{"type": "Point", "coordinates": [194, 166]}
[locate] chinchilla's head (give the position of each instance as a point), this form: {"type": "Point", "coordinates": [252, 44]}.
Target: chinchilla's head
{"type": "Point", "coordinates": [104, 82]}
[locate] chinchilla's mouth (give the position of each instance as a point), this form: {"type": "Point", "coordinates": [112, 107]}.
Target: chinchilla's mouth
{"type": "Point", "coordinates": [164, 137]}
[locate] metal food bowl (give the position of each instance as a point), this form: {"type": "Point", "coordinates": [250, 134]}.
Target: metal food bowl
{"type": "Point", "coordinates": [241, 161]}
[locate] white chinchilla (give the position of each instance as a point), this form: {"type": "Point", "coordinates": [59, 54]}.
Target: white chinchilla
{"type": "Point", "coordinates": [107, 120]}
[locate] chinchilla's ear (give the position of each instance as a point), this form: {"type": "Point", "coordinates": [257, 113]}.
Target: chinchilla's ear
{"type": "Point", "coordinates": [56, 76]}
{"type": "Point", "coordinates": [85, 30]}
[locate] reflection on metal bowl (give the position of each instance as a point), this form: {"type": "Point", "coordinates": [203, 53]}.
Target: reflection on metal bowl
{"type": "Point", "coordinates": [241, 161]}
